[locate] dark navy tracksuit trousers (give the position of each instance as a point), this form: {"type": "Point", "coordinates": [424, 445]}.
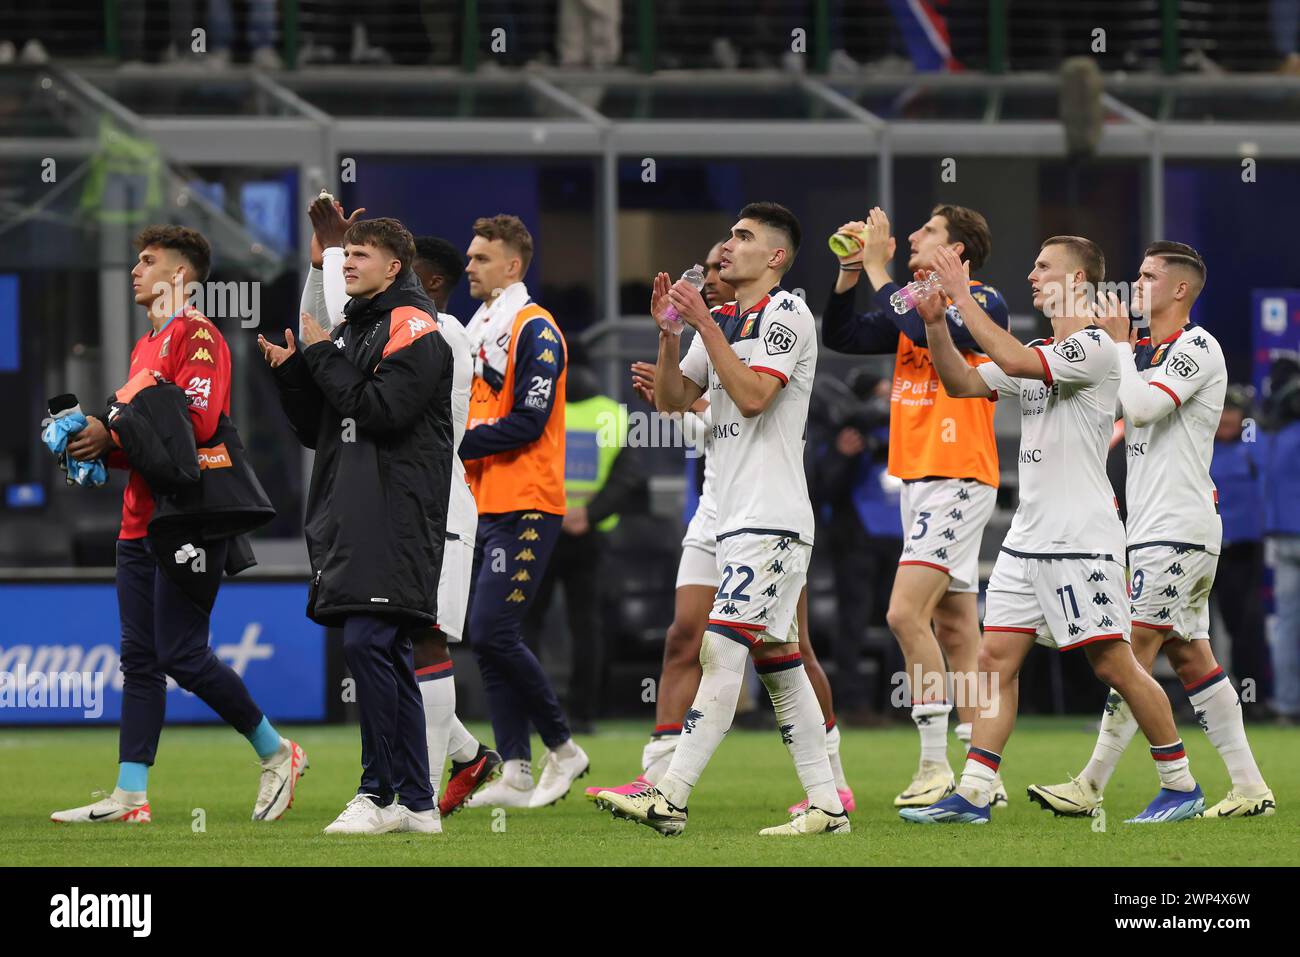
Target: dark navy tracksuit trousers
{"type": "Point", "coordinates": [165, 630]}
{"type": "Point", "coordinates": [511, 553]}
{"type": "Point", "coordinates": [394, 753]}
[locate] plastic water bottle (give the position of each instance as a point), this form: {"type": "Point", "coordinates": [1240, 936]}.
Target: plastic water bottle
{"type": "Point", "coordinates": [844, 244]}
{"type": "Point", "coordinates": [906, 298]}
{"type": "Point", "coordinates": [695, 276]}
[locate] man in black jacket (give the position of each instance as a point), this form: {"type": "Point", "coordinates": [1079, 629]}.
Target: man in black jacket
{"type": "Point", "coordinates": [375, 403]}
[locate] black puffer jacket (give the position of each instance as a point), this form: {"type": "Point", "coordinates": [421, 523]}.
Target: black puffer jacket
{"type": "Point", "coordinates": [375, 404]}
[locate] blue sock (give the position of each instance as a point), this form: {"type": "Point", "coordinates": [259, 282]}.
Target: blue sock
{"type": "Point", "coordinates": [132, 776]}
{"type": "Point", "coordinates": [264, 739]}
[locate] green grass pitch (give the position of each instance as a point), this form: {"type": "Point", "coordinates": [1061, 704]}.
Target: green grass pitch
{"type": "Point", "coordinates": [748, 786]}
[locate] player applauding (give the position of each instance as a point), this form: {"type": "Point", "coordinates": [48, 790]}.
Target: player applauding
{"type": "Point", "coordinates": [1060, 575]}
{"type": "Point", "coordinates": [1172, 390]}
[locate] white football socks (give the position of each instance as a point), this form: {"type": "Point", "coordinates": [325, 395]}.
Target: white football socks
{"type": "Point", "coordinates": [461, 745]}
{"type": "Point", "coordinates": [1218, 709]}
{"type": "Point", "coordinates": [799, 717]}
{"type": "Point", "coordinates": [518, 773]}
{"type": "Point", "coordinates": [657, 755]}
{"type": "Point", "coordinates": [978, 776]}
{"type": "Point", "coordinates": [1173, 767]}
{"type": "Point", "coordinates": [439, 696]}
{"type": "Point", "coordinates": [931, 720]}
{"type": "Point", "coordinates": [709, 717]}
{"type": "Point", "coordinates": [833, 753]}
{"type": "Point", "coordinates": [1117, 729]}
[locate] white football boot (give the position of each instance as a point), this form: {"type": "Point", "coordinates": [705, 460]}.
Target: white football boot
{"type": "Point", "coordinates": [1236, 804]}
{"type": "Point", "coordinates": [280, 774]}
{"type": "Point", "coordinates": [116, 806]}
{"type": "Point", "coordinates": [1077, 798]}
{"type": "Point", "coordinates": [998, 796]}
{"type": "Point", "coordinates": [933, 782]}
{"type": "Point", "coordinates": [363, 816]}
{"type": "Point", "coordinates": [558, 775]}
{"type": "Point", "coordinates": [648, 807]}
{"type": "Point", "coordinates": [812, 821]}
{"type": "Point", "coordinates": [512, 788]}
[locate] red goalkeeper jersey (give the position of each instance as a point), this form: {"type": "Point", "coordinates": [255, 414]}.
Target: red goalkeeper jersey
{"type": "Point", "coordinates": [189, 351]}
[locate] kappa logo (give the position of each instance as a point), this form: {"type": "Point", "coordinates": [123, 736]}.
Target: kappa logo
{"type": "Point", "coordinates": [1075, 630]}
{"type": "Point", "coordinates": [1169, 591]}
{"type": "Point", "coordinates": [950, 535]}
{"type": "Point", "coordinates": [531, 516]}
{"type": "Point", "coordinates": [770, 591]}
{"type": "Point", "coordinates": [416, 326]}
{"type": "Point", "coordinates": [529, 535]}
{"type": "Point", "coordinates": [1071, 350]}
{"type": "Point", "coordinates": [547, 356]}
{"type": "Point", "coordinates": [963, 495]}
{"type": "Point", "coordinates": [689, 721]}
{"type": "Point", "coordinates": [1183, 366]}
{"type": "Point", "coordinates": [526, 555]}
{"type": "Point", "coordinates": [777, 568]}
{"type": "Point", "coordinates": [762, 614]}
{"type": "Point", "coordinates": [515, 596]}
{"type": "Point", "coordinates": [786, 305]}
{"type": "Point", "coordinates": [779, 339]}
{"type": "Point", "coordinates": [1097, 576]}
{"type": "Point", "coordinates": [201, 333]}
{"type": "Point", "coordinates": [521, 576]}
{"type": "Point", "coordinates": [955, 515]}
{"type": "Point", "coordinates": [1174, 569]}
{"type": "Point", "coordinates": [201, 355]}
{"type": "Point", "coordinates": [787, 734]}
{"type": "Point", "coordinates": [547, 335]}
{"type": "Point", "coordinates": [1101, 598]}
{"type": "Point", "coordinates": [1200, 343]}
{"type": "Point", "coordinates": [1163, 614]}
{"type": "Point", "coordinates": [1094, 335]}
{"type": "Point", "coordinates": [1106, 622]}
{"type": "Point", "coordinates": [941, 554]}
{"type": "Point", "coordinates": [730, 608]}
{"type": "Point", "coordinates": [783, 544]}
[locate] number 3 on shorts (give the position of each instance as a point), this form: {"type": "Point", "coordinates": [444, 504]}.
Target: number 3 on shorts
{"type": "Point", "coordinates": [921, 519]}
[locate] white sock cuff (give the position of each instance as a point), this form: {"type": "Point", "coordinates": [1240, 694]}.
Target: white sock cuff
{"type": "Point", "coordinates": [930, 709]}
{"type": "Point", "coordinates": [719, 651]}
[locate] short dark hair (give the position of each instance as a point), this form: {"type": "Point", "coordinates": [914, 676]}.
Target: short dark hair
{"type": "Point", "coordinates": [1179, 254]}
{"type": "Point", "coordinates": [971, 229]}
{"type": "Point", "coordinates": [445, 258]}
{"type": "Point", "coordinates": [384, 233]}
{"type": "Point", "coordinates": [1087, 254]}
{"type": "Point", "coordinates": [511, 231]}
{"type": "Point", "coordinates": [776, 216]}
{"type": "Point", "coordinates": [190, 244]}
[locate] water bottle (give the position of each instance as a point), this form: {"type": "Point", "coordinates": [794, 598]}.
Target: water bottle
{"type": "Point", "coordinates": [695, 276]}
{"type": "Point", "coordinates": [844, 244]}
{"type": "Point", "coordinates": [906, 298]}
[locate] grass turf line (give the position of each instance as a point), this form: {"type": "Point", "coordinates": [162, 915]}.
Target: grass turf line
{"type": "Point", "coordinates": [747, 786]}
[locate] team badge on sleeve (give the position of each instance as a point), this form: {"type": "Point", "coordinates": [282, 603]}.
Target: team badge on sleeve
{"type": "Point", "coordinates": [1183, 365]}
{"type": "Point", "coordinates": [1070, 350]}
{"type": "Point", "coordinates": [779, 339]}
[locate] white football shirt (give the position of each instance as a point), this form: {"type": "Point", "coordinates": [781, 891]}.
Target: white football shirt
{"type": "Point", "coordinates": [1067, 506]}
{"type": "Point", "coordinates": [1171, 497]}
{"type": "Point", "coordinates": [462, 513]}
{"type": "Point", "coordinates": [759, 481]}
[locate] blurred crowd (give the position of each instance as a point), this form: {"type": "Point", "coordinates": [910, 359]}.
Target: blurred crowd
{"type": "Point", "coordinates": [873, 36]}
